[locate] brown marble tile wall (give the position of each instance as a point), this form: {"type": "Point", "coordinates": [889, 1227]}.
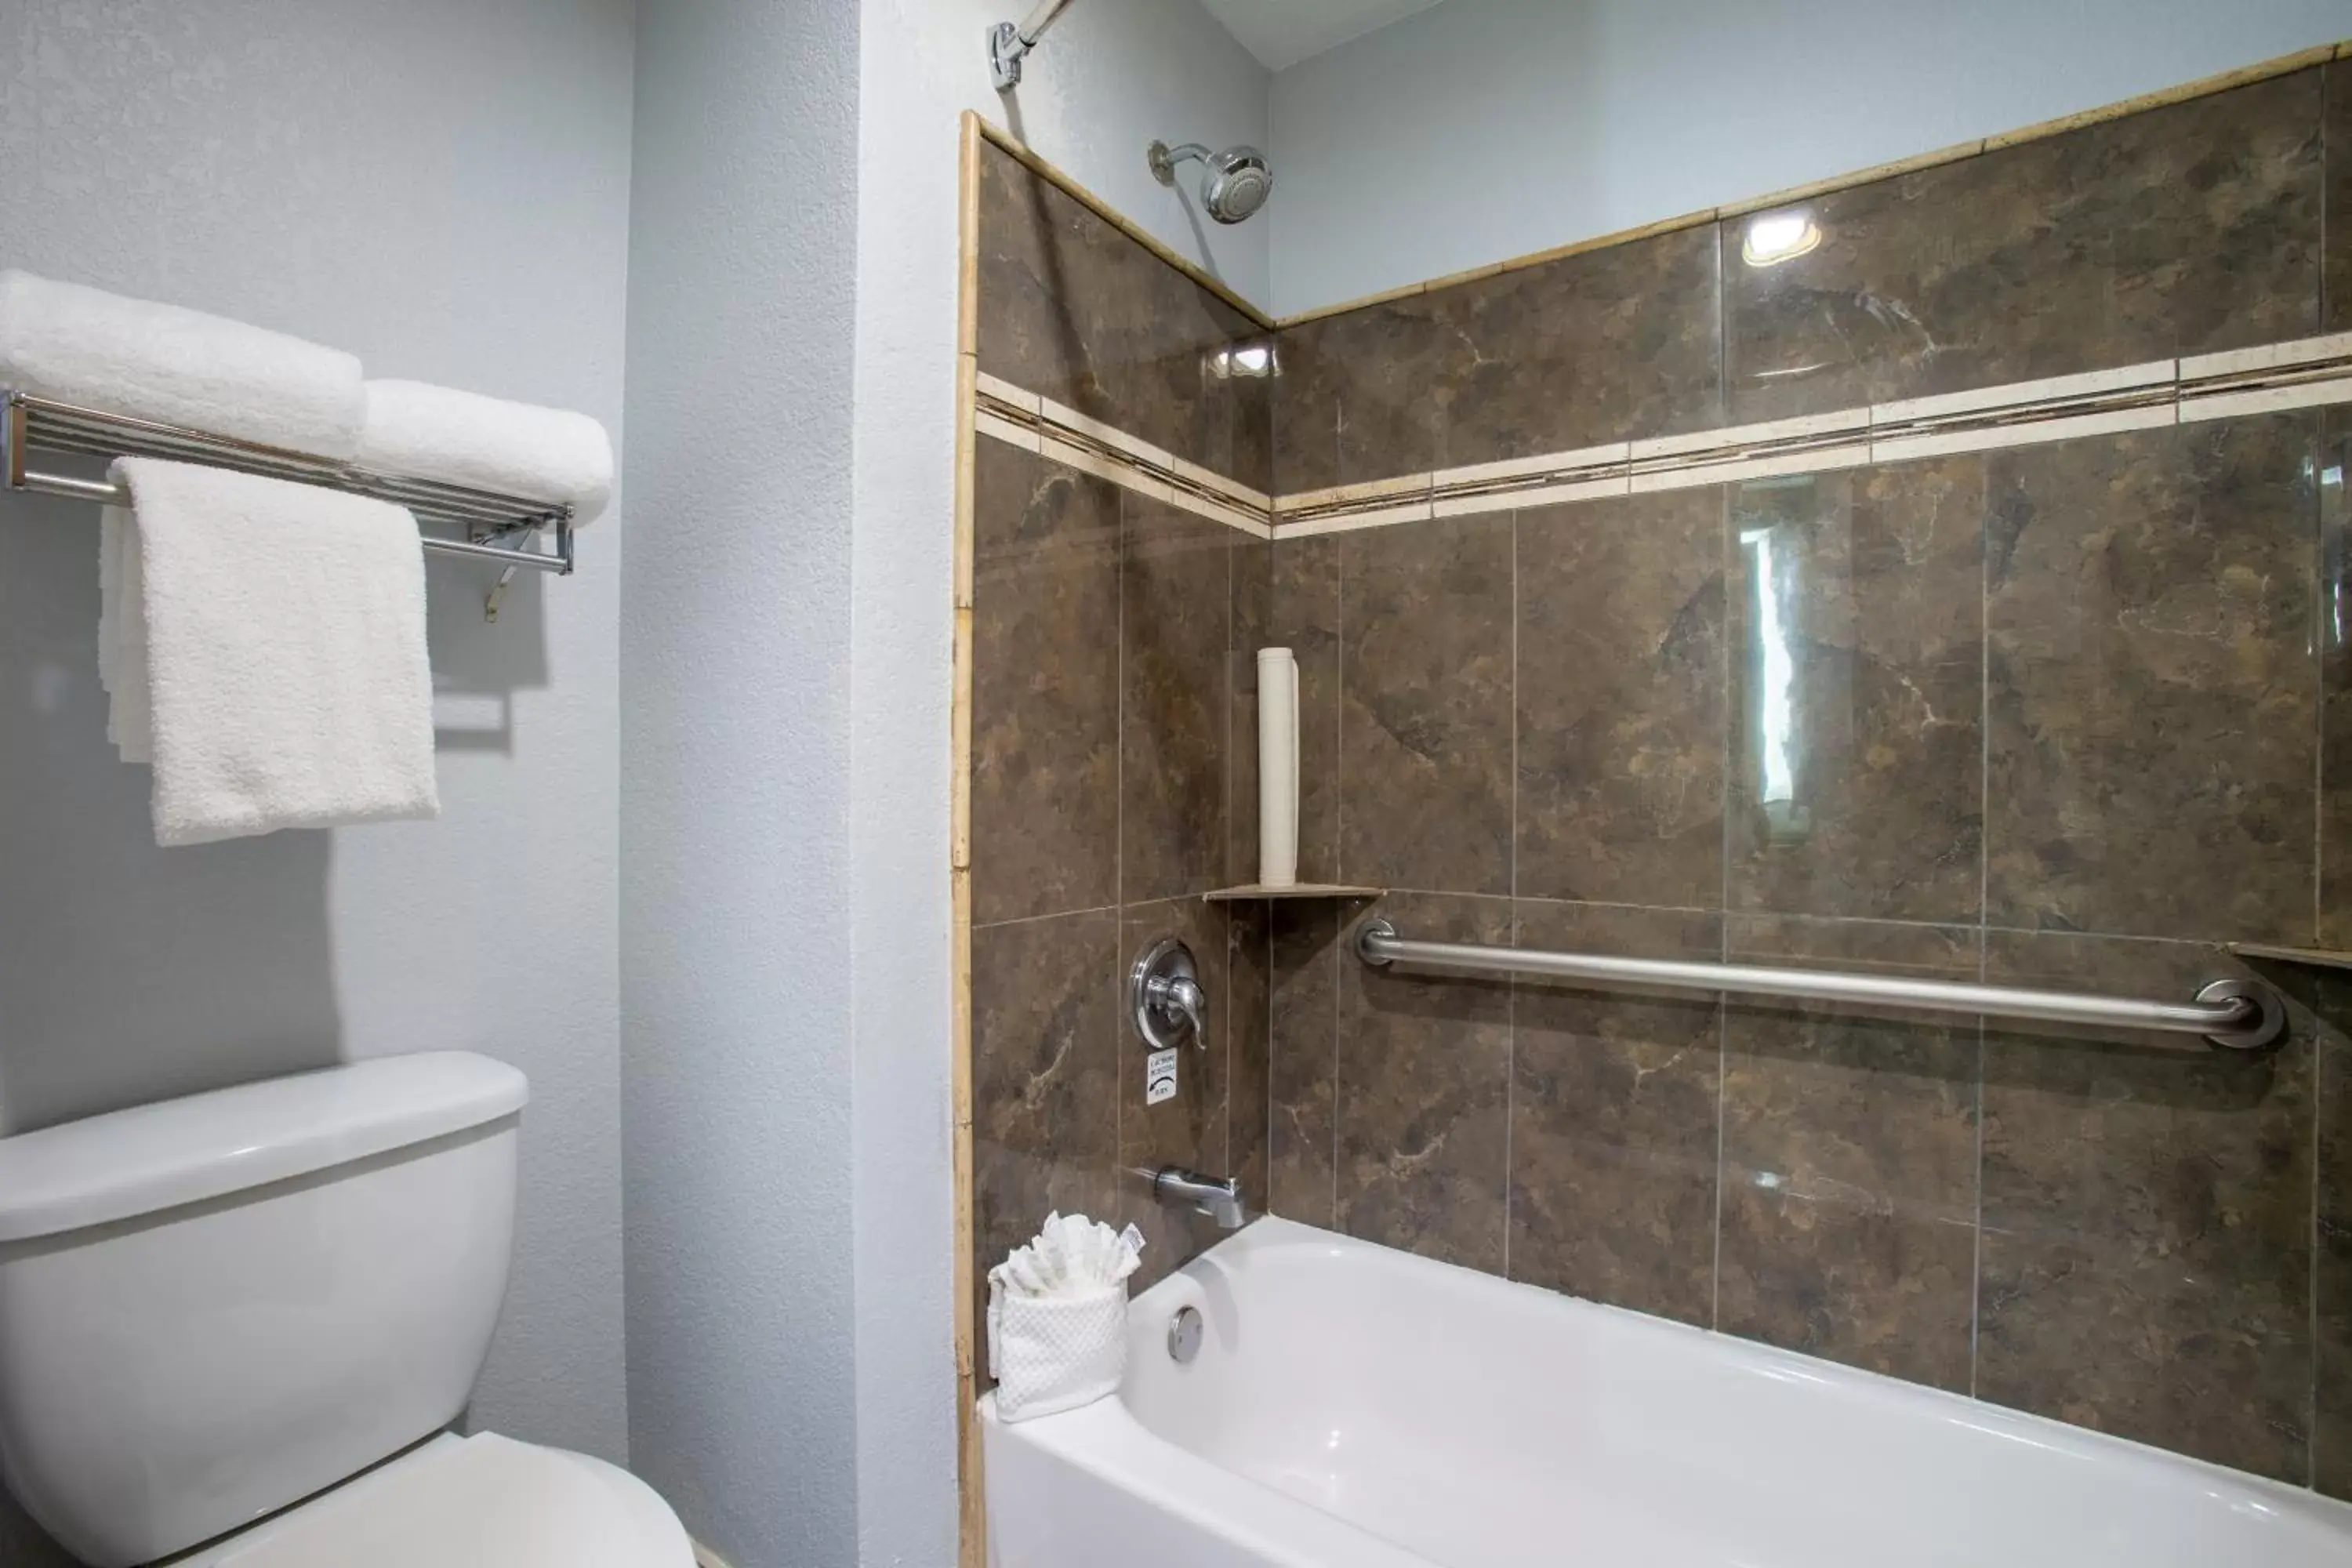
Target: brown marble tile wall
{"type": "Point", "coordinates": [2152, 686]}
{"type": "Point", "coordinates": [1075, 310]}
{"type": "Point", "coordinates": [1849, 1225]}
{"type": "Point", "coordinates": [2147, 1220]}
{"type": "Point", "coordinates": [2336, 280]}
{"type": "Point", "coordinates": [2181, 230]}
{"type": "Point", "coordinates": [2069, 716]}
{"type": "Point", "coordinates": [1620, 692]}
{"type": "Point", "coordinates": [1856, 777]}
{"type": "Point", "coordinates": [1114, 725]}
{"type": "Point", "coordinates": [1615, 1123]}
{"type": "Point", "coordinates": [2185, 229]}
{"type": "Point", "coordinates": [1425, 705]}
{"type": "Point", "coordinates": [1611, 344]}
{"type": "Point", "coordinates": [1926, 720]}
{"type": "Point", "coordinates": [1045, 688]}
{"type": "Point", "coordinates": [2335, 644]}
{"type": "Point", "coordinates": [2329, 996]}
{"type": "Point", "coordinates": [1106, 730]}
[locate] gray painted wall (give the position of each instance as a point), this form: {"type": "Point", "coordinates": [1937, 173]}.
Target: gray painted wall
{"type": "Point", "coordinates": [735, 776]}
{"type": "Point", "coordinates": [441, 187]}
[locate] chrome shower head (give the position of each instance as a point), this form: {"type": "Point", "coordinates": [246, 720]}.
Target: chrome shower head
{"type": "Point", "coordinates": [1235, 182]}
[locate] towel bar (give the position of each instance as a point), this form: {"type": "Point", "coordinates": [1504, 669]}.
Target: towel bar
{"type": "Point", "coordinates": [497, 528]}
{"type": "Point", "coordinates": [2234, 1015]}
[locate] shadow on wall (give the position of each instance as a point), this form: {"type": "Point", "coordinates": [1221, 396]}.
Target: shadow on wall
{"type": "Point", "coordinates": [129, 972]}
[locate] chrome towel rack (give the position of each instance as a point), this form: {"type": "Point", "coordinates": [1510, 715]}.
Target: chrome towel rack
{"type": "Point", "coordinates": [2235, 1015]}
{"type": "Point", "coordinates": [493, 527]}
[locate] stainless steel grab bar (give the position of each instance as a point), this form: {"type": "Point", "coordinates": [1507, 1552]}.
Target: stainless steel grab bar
{"type": "Point", "coordinates": [2236, 1014]}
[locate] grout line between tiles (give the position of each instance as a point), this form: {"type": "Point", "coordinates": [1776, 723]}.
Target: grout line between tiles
{"type": "Point", "coordinates": [1725, 556]}
{"type": "Point", "coordinates": [2324, 216]}
{"type": "Point", "coordinates": [1048, 915]}
{"type": "Point", "coordinates": [1339, 834]}
{"type": "Point", "coordinates": [1224, 853]}
{"type": "Point", "coordinates": [1511, 848]}
{"type": "Point", "coordinates": [1984, 885]}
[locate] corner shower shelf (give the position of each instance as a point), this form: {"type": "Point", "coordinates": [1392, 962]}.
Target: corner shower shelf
{"type": "Point", "coordinates": [495, 526]}
{"type": "Point", "coordinates": [1296, 891]}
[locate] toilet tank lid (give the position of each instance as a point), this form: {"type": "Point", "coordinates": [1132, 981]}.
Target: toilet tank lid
{"type": "Point", "coordinates": [149, 1158]}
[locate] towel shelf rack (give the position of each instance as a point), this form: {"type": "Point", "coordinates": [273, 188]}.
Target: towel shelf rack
{"type": "Point", "coordinates": [496, 528]}
{"type": "Point", "coordinates": [2234, 1015]}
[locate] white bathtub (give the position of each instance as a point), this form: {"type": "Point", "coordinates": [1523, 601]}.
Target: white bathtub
{"type": "Point", "coordinates": [1352, 1406]}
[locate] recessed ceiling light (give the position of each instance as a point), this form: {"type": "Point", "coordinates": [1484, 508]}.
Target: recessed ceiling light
{"type": "Point", "coordinates": [1776, 237]}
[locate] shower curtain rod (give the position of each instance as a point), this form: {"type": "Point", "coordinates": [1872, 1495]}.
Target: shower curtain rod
{"type": "Point", "coordinates": [1010, 42]}
{"type": "Point", "coordinates": [2235, 1015]}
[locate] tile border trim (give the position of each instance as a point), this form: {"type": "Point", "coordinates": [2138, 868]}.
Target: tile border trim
{"type": "Point", "coordinates": [1037, 424]}
{"type": "Point", "coordinates": [2302, 372]}
{"type": "Point", "coordinates": [971, 1495]}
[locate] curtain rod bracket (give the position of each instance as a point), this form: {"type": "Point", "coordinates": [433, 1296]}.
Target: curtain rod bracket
{"type": "Point", "coordinates": [1009, 43]}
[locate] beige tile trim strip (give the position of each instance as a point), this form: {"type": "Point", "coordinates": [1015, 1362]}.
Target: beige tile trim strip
{"type": "Point", "coordinates": [1021, 418]}
{"type": "Point", "coordinates": [2285, 65]}
{"type": "Point", "coordinates": [2302, 373]}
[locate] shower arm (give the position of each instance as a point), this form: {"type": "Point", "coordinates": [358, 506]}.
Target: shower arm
{"type": "Point", "coordinates": [1163, 159]}
{"type": "Point", "coordinates": [1009, 43]}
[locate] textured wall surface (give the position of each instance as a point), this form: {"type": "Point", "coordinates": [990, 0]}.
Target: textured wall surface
{"type": "Point", "coordinates": [735, 777]}
{"type": "Point", "coordinates": [2052, 716]}
{"type": "Point", "coordinates": [1114, 737]}
{"type": "Point", "coordinates": [1488, 129]}
{"type": "Point", "coordinates": [442, 189]}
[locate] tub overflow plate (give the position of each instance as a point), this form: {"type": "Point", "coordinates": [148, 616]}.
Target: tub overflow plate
{"type": "Point", "coordinates": [1184, 1334]}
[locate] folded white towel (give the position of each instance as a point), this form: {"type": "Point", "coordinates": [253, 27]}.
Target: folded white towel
{"type": "Point", "coordinates": [428, 432]}
{"type": "Point", "coordinates": [1057, 1317]}
{"type": "Point", "coordinates": [266, 646]}
{"type": "Point", "coordinates": [150, 360]}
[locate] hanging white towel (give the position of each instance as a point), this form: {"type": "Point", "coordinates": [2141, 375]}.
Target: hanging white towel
{"type": "Point", "coordinates": [426, 432]}
{"type": "Point", "coordinates": [95, 350]}
{"type": "Point", "coordinates": [263, 644]}
{"type": "Point", "coordinates": [122, 635]}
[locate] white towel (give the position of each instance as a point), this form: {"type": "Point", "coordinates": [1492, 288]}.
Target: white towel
{"type": "Point", "coordinates": [1057, 1317]}
{"type": "Point", "coordinates": [101, 351]}
{"type": "Point", "coordinates": [264, 644]}
{"type": "Point", "coordinates": [428, 432]}
{"type": "Point", "coordinates": [123, 636]}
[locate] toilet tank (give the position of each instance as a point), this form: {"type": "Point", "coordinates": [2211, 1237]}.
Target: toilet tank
{"type": "Point", "coordinates": [213, 1307]}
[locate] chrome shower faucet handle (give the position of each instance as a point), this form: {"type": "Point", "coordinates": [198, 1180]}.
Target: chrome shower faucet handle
{"type": "Point", "coordinates": [1165, 994]}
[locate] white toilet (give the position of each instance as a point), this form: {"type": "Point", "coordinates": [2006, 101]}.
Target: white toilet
{"type": "Point", "coordinates": [233, 1327]}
